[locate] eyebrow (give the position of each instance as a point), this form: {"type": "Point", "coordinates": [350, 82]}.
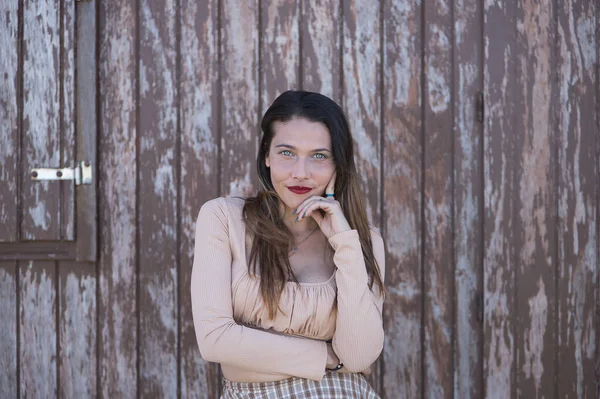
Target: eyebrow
{"type": "Point", "coordinates": [291, 147]}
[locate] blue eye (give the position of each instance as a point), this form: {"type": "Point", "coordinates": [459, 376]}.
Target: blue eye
{"type": "Point", "coordinates": [286, 153]}
{"type": "Point", "coordinates": [320, 156]}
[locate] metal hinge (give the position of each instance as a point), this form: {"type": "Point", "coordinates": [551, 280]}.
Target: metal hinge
{"type": "Point", "coordinates": [82, 173]}
{"type": "Point", "coordinates": [480, 105]}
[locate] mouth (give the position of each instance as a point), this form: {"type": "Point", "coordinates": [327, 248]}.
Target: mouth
{"type": "Point", "coordinates": [299, 189]}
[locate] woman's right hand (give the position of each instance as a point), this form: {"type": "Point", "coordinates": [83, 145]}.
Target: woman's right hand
{"type": "Point", "coordinates": [332, 359]}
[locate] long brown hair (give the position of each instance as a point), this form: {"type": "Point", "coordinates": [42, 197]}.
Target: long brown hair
{"type": "Point", "coordinates": [271, 238]}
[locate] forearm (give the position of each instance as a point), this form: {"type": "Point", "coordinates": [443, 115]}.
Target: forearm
{"type": "Point", "coordinates": [262, 351]}
{"type": "Point", "coordinates": [358, 339]}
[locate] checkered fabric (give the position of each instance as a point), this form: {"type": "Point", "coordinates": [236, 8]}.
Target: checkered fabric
{"type": "Point", "coordinates": [332, 386]}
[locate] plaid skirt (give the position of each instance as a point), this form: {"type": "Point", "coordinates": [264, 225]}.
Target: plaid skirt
{"type": "Point", "coordinates": [332, 386]}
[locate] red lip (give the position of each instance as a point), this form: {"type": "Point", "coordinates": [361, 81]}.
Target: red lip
{"type": "Point", "coordinates": [299, 189]}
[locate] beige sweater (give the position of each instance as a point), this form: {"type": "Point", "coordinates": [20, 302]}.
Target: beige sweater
{"type": "Point", "coordinates": [231, 321]}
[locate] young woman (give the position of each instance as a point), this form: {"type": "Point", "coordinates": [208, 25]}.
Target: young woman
{"type": "Point", "coordinates": [287, 287]}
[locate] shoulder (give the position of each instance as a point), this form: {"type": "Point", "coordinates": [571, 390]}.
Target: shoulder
{"type": "Point", "coordinates": [225, 209]}
{"type": "Point", "coordinates": [223, 204]}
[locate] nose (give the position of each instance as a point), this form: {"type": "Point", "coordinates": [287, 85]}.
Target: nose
{"type": "Point", "coordinates": [300, 171]}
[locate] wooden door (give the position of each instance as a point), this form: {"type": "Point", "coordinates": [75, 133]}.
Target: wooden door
{"type": "Point", "coordinates": [48, 120]}
{"type": "Point", "coordinates": [48, 244]}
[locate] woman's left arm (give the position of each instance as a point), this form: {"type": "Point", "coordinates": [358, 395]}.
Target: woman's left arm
{"type": "Point", "coordinates": [358, 337]}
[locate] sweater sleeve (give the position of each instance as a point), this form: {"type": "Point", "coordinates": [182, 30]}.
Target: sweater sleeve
{"type": "Point", "coordinates": [358, 337]}
{"type": "Point", "coordinates": [219, 337]}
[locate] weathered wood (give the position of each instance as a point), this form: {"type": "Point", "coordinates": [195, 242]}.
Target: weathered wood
{"type": "Point", "coordinates": [438, 262]}
{"type": "Point", "coordinates": [77, 330]}
{"type": "Point", "coordinates": [499, 189]}
{"type": "Point", "coordinates": [8, 329]}
{"type": "Point", "coordinates": [468, 198]}
{"type": "Point", "coordinates": [199, 110]}
{"type": "Point", "coordinates": [321, 29]}
{"type": "Point", "coordinates": [280, 49]}
{"type": "Point", "coordinates": [362, 95]}
{"type": "Point", "coordinates": [41, 118]}
{"type": "Point", "coordinates": [9, 102]}
{"type": "Point", "coordinates": [67, 121]}
{"type": "Point", "coordinates": [533, 228]}
{"type": "Point", "coordinates": [117, 303]}
{"type": "Point", "coordinates": [37, 337]}
{"type": "Point", "coordinates": [87, 125]}
{"type": "Point", "coordinates": [402, 160]}
{"type": "Point", "coordinates": [240, 100]}
{"type": "Point", "coordinates": [157, 220]}
{"type": "Point", "coordinates": [577, 143]}
{"type": "Point", "coordinates": [361, 98]}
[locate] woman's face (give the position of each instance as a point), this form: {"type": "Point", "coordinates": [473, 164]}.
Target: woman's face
{"type": "Point", "coordinates": [300, 160]}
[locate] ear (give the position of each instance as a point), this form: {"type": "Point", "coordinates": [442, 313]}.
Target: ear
{"type": "Point", "coordinates": [267, 161]}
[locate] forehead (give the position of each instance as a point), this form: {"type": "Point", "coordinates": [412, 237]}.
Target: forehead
{"type": "Point", "coordinates": [301, 132]}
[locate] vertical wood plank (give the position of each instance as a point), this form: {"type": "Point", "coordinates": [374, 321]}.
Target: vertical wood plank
{"type": "Point", "coordinates": [77, 330]}
{"type": "Point", "coordinates": [438, 188]}
{"type": "Point", "coordinates": [280, 49]}
{"type": "Point", "coordinates": [9, 99]}
{"type": "Point", "coordinates": [157, 223]}
{"type": "Point", "coordinates": [321, 65]}
{"type": "Point", "coordinates": [534, 225]}
{"type": "Point", "coordinates": [361, 94]}
{"type": "Point", "coordinates": [361, 97]}
{"type": "Point", "coordinates": [87, 117]}
{"type": "Point", "coordinates": [240, 96]}
{"type": "Point", "coordinates": [468, 198]}
{"type": "Point", "coordinates": [41, 118]}
{"type": "Point", "coordinates": [8, 329]}
{"type": "Point", "coordinates": [499, 188]}
{"type": "Point", "coordinates": [117, 278]}
{"type": "Point", "coordinates": [67, 122]}
{"type": "Point", "coordinates": [37, 316]}
{"type": "Point", "coordinates": [577, 193]}
{"type": "Point", "coordinates": [199, 86]}
{"type": "Point", "coordinates": [402, 224]}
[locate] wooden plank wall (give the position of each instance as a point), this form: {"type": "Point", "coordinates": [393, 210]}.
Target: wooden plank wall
{"type": "Point", "coordinates": [490, 218]}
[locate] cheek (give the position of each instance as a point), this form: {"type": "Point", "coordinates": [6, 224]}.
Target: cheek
{"type": "Point", "coordinates": [278, 171]}
{"type": "Point", "coordinates": [324, 173]}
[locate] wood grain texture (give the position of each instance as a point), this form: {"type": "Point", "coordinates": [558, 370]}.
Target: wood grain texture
{"type": "Point", "coordinates": [499, 268]}
{"type": "Point", "coordinates": [361, 101]}
{"type": "Point", "coordinates": [321, 66]}
{"type": "Point", "coordinates": [117, 318]}
{"type": "Point", "coordinates": [9, 102]}
{"type": "Point", "coordinates": [41, 118]}
{"type": "Point", "coordinates": [280, 49]}
{"type": "Point", "coordinates": [67, 121]}
{"type": "Point", "coordinates": [77, 330]}
{"type": "Point", "coordinates": [199, 110]}
{"type": "Point", "coordinates": [533, 236]}
{"type": "Point", "coordinates": [157, 220]}
{"type": "Point", "coordinates": [362, 95]}
{"type": "Point", "coordinates": [438, 262]}
{"type": "Point", "coordinates": [402, 160]}
{"type": "Point", "coordinates": [37, 317]}
{"type": "Point", "coordinates": [8, 329]}
{"type": "Point", "coordinates": [577, 194]}
{"type": "Point", "coordinates": [240, 100]}
{"type": "Point", "coordinates": [468, 198]}
{"type": "Point", "coordinates": [87, 118]}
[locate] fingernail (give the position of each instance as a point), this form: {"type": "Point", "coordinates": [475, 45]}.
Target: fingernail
{"type": "Point", "coordinates": [295, 210]}
{"type": "Point", "coordinates": [297, 218]}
